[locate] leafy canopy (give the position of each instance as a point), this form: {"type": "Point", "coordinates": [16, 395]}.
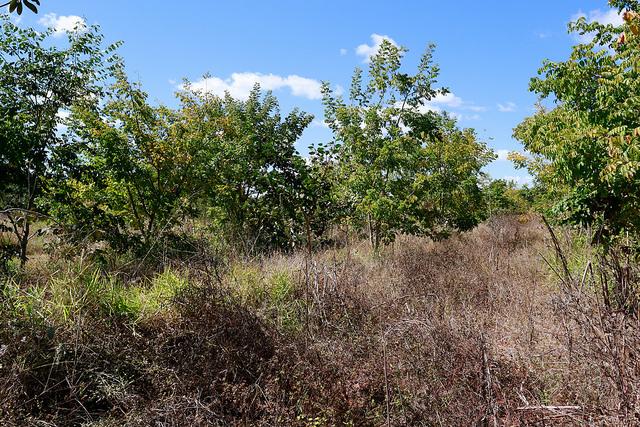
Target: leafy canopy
{"type": "Point", "coordinates": [39, 83]}
{"type": "Point", "coordinates": [587, 147]}
{"type": "Point", "coordinates": [402, 167]}
{"type": "Point", "coordinates": [255, 185]}
{"type": "Point", "coordinates": [127, 171]}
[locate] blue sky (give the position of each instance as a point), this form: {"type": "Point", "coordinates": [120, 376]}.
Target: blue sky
{"type": "Point", "coordinates": [487, 50]}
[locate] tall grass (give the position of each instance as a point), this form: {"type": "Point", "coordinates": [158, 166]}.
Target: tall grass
{"type": "Point", "coordinates": [73, 293]}
{"type": "Point", "coordinates": [473, 330]}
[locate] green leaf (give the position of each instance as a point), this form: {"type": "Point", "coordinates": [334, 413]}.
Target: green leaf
{"type": "Point", "coordinates": [31, 6]}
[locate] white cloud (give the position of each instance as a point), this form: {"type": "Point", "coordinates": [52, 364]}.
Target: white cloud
{"type": "Point", "coordinates": [464, 117]}
{"type": "Point", "coordinates": [239, 85]}
{"type": "Point", "coordinates": [607, 17]}
{"type": "Point", "coordinates": [508, 107]}
{"type": "Point", "coordinates": [452, 104]}
{"type": "Point", "coordinates": [343, 52]}
{"type": "Point", "coordinates": [519, 179]}
{"type": "Point", "coordinates": [367, 51]}
{"type": "Point", "coordinates": [452, 101]}
{"type": "Point", "coordinates": [302, 86]}
{"type": "Point", "coordinates": [62, 24]}
{"type": "Point", "coordinates": [422, 109]}
{"type": "Point", "coordinates": [503, 154]}
{"type": "Point", "coordinates": [456, 116]}
{"type": "Point", "coordinates": [448, 100]}
{"type": "Point", "coordinates": [320, 123]}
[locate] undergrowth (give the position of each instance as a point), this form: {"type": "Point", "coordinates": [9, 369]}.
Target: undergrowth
{"type": "Point", "coordinates": [470, 330]}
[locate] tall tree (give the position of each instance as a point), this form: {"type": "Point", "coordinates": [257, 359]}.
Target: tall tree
{"type": "Point", "coordinates": [38, 83]}
{"type": "Point", "coordinates": [129, 171]}
{"type": "Point", "coordinates": [403, 166]}
{"type": "Point", "coordinates": [587, 147]}
{"type": "Point", "coordinates": [257, 174]}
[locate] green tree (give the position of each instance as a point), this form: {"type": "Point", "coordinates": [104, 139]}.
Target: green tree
{"type": "Point", "coordinates": [257, 176]}
{"type": "Point", "coordinates": [38, 83]}
{"type": "Point", "coordinates": [318, 205]}
{"type": "Point", "coordinates": [503, 196]}
{"type": "Point", "coordinates": [452, 169]}
{"type": "Point", "coordinates": [402, 167]}
{"type": "Point", "coordinates": [587, 148]}
{"type": "Point", "coordinates": [129, 171]}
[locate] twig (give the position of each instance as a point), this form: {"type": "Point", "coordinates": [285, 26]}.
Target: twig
{"type": "Point", "coordinates": [549, 408]}
{"type": "Point", "coordinates": [558, 249]}
{"type": "Point", "coordinates": [488, 392]}
{"type": "Point", "coordinates": [386, 380]}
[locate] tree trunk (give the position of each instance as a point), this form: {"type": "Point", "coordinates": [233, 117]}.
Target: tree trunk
{"type": "Point", "coordinates": [370, 231]}
{"type": "Point", "coordinates": [24, 240]}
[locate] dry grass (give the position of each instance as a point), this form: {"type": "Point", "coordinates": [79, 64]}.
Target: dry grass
{"type": "Point", "coordinates": [468, 331]}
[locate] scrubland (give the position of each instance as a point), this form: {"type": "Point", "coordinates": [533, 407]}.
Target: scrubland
{"type": "Point", "coordinates": [480, 329]}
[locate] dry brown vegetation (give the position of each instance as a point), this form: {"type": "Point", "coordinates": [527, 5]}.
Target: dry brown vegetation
{"type": "Point", "coordinates": [473, 330]}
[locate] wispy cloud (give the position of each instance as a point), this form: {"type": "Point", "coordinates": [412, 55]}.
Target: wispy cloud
{"type": "Point", "coordinates": [450, 102]}
{"type": "Point", "coordinates": [320, 124]}
{"type": "Point", "coordinates": [15, 18]}
{"type": "Point", "coordinates": [507, 107]}
{"type": "Point", "coordinates": [604, 17]}
{"type": "Point", "coordinates": [239, 85]}
{"type": "Point", "coordinates": [367, 51]}
{"type": "Point", "coordinates": [62, 25]}
{"type": "Point", "coordinates": [343, 52]}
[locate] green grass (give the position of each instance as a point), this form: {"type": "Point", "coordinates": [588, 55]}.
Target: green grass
{"type": "Point", "coordinates": [275, 295]}
{"type": "Point", "coordinates": [72, 294]}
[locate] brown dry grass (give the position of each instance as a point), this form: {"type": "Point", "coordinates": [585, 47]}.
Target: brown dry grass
{"type": "Point", "coordinates": [466, 331]}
